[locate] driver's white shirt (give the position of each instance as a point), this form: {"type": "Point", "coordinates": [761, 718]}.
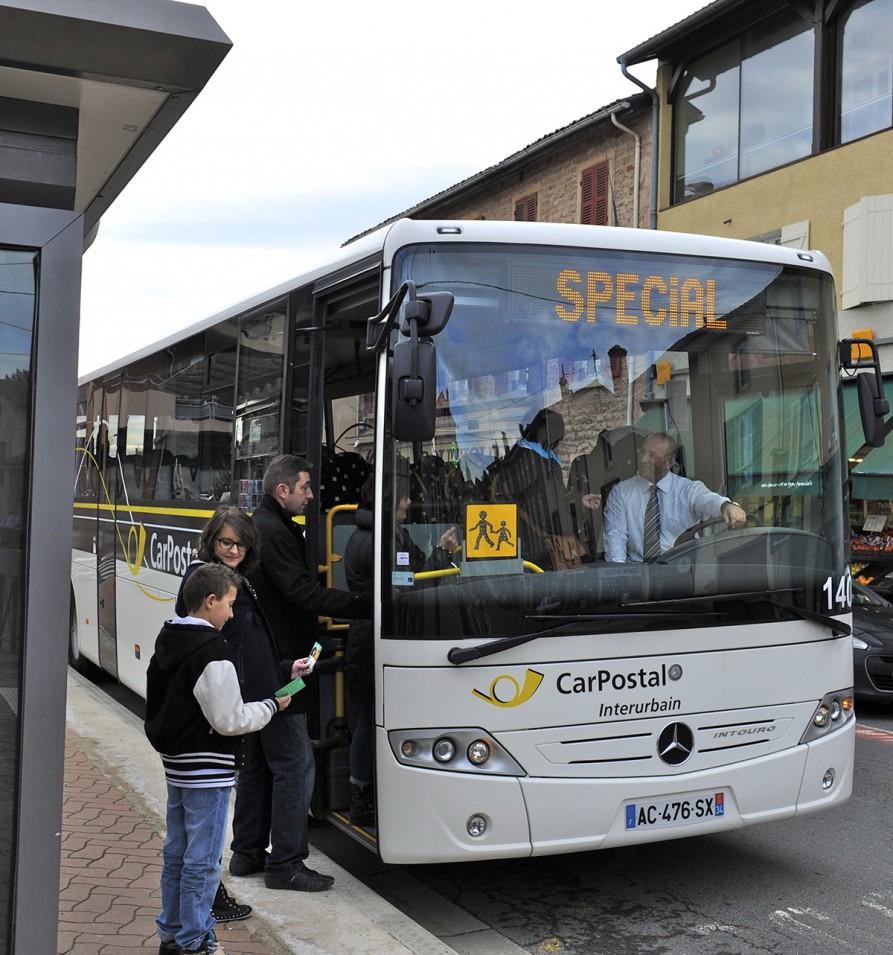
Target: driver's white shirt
{"type": "Point", "coordinates": [683, 503]}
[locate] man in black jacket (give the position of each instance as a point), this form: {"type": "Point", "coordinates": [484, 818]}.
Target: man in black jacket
{"type": "Point", "coordinates": [289, 592]}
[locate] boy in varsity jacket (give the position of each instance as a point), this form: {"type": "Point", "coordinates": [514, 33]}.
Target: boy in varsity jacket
{"type": "Point", "coordinates": [194, 712]}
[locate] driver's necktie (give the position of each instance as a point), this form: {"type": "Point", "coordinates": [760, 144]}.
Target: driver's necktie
{"type": "Point", "coordinates": [651, 536]}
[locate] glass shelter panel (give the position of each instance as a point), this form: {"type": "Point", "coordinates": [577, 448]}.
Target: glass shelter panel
{"type": "Point", "coordinates": [572, 382]}
{"type": "Point", "coordinates": [18, 302]}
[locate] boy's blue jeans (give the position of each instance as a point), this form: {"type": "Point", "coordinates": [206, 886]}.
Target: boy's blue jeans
{"type": "Point", "coordinates": [190, 874]}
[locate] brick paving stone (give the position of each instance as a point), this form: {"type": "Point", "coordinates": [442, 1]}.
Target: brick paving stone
{"type": "Point", "coordinates": [110, 870]}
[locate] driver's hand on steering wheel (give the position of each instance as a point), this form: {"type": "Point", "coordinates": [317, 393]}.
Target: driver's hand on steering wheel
{"type": "Point", "coordinates": [733, 514]}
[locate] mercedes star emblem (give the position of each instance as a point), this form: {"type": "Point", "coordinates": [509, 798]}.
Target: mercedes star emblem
{"type": "Point", "coordinates": [675, 743]}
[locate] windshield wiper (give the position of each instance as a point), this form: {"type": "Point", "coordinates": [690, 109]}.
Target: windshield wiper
{"type": "Point", "coordinates": [837, 627]}
{"type": "Point", "coordinates": [617, 620]}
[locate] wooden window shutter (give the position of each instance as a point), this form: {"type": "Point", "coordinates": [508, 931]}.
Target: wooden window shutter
{"type": "Point", "coordinates": [525, 209]}
{"type": "Point", "coordinates": [594, 187]}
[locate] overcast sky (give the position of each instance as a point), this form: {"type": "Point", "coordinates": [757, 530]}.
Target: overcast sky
{"type": "Point", "coordinates": [325, 119]}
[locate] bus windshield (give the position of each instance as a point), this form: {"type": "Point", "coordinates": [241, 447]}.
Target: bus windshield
{"type": "Point", "coordinates": [575, 385]}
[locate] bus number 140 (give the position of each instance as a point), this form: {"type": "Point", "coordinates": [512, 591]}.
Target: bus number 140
{"type": "Point", "coordinates": [842, 596]}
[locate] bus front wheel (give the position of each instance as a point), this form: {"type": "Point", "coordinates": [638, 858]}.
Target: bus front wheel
{"type": "Point", "coordinates": [76, 660]}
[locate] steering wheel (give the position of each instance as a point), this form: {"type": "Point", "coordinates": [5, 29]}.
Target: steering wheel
{"type": "Point", "coordinates": [694, 531]}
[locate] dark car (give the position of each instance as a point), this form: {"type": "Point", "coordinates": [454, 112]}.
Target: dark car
{"type": "Point", "coordinates": [872, 644]}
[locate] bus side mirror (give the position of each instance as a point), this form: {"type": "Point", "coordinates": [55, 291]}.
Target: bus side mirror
{"type": "Point", "coordinates": [414, 369]}
{"type": "Point", "coordinates": [873, 404]}
{"type": "Point", "coordinates": [414, 374]}
{"type": "Point", "coordinates": [873, 408]}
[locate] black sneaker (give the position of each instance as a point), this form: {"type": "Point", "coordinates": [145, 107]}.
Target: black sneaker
{"type": "Point", "coordinates": [242, 863]}
{"type": "Point", "coordinates": [300, 879]}
{"type": "Point", "coordinates": [209, 946]}
{"type": "Point", "coordinates": [169, 948]}
{"type": "Point", "coordinates": [226, 908]}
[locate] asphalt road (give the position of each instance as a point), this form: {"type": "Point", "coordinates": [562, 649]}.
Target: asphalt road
{"type": "Point", "coordinates": [816, 885]}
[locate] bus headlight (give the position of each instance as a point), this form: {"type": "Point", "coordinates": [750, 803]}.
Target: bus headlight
{"type": "Point", "coordinates": [834, 711]}
{"type": "Point", "coordinates": [478, 753]}
{"type": "Point", "coordinates": [444, 750]}
{"type": "Point", "coordinates": [455, 750]}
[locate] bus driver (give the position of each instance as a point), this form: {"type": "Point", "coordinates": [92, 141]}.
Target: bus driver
{"type": "Point", "coordinates": [647, 512]}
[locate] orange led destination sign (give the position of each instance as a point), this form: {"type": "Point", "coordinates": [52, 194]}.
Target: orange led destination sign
{"type": "Point", "coordinates": [627, 298]}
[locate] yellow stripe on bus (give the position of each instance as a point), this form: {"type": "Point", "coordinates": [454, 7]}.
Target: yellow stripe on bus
{"type": "Point", "coordinates": [125, 508]}
{"type": "Point", "coordinates": [169, 511]}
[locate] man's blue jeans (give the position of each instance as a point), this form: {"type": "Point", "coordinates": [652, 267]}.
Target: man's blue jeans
{"type": "Point", "coordinates": [190, 874]}
{"type": "Point", "coordinates": [273, 793]}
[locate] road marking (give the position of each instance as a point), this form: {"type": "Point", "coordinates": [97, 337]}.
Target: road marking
{"type": "Point", "coordinates": [872, 903]}
{"type": "Point", "coordinates": [784, 918]}
{"type": "Point", "coordinates": [707, 928]}
{"type": "Point", "coordinates": [874, 732]}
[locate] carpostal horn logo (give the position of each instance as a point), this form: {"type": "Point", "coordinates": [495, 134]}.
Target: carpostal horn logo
{"type": "Point", "coordinates": [505, 691]}
{"type": "Point", "coordinates": [136, 548]}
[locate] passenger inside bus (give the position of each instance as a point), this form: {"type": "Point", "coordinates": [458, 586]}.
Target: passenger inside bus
{"type": "Point", "coordinates": [531, 476]}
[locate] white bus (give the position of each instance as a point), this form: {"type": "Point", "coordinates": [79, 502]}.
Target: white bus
{"type": "Point", "coordinates": [532, 695]}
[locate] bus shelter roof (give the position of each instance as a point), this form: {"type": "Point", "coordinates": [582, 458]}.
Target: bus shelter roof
{"type": "Point", "coordinates": [128, 71]}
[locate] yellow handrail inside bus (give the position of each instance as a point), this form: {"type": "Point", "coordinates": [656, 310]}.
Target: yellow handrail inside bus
{"type": "Point", "coordinates": [328, 568]}
{"type": "Point", "coordinates": [453, 571]}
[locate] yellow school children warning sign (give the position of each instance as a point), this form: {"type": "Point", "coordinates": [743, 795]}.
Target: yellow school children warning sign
{"type": "Point", "coordinates": [491, 530]}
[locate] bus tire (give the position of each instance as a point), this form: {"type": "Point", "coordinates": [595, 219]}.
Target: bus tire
{"type": "Point", "coordinates": [76, 660]}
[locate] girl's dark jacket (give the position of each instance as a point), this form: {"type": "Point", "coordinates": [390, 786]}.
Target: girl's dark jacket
{"type": "Point", "coordinates": [256, 654]}
{"type": "Point", "coordinates": [194, 708]}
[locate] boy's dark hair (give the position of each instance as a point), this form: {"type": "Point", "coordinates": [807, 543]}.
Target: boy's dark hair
{"type": "Point", "coordinates": [284, 469]}
{"type": "Point", "coordinates": [208, 579]}
{"type": "Point", "coordinates": [241, 523]}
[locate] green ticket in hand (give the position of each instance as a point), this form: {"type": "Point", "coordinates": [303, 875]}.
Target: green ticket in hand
{"type": "Point", "coordinates": [291, 688]}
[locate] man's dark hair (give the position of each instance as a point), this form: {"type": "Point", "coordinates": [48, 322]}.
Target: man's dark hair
{"type": "Point", "coordinates": [208, 579]}
{"type": "Point", "coordinates": [241, 523]}
{"type": "Point", "coordinates": [284, 469]}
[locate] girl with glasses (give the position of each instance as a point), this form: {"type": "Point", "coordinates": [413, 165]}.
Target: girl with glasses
{"type": "Point", "coordinates": [229, 538]}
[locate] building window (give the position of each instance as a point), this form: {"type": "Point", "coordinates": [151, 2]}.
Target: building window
{"type": "Point", "coordinates": [731, 121]}
{"type": "Point", "coordinates": [594, 195]}
{"type": "Point", "coordinates": [525, 209]}
{"type": "Point", "coordinates": [866, 70]}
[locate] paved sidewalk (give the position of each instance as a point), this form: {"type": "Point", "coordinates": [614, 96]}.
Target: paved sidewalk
{"type": "Point", "coordinates": [111, 854]}
{"type": "Point", "coordinates": [111, 860]}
